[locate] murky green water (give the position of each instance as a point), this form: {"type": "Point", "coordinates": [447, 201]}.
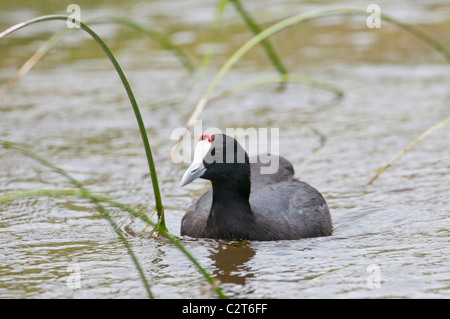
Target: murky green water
{"type": "Point", "coordinates": [391, 239]}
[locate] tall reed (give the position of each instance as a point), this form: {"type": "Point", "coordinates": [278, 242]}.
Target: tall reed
{"type": "Point", "coordinates": [97, 200]}
{"type": "Point", "coordinates": [156, 35]}
{"type": "Point", "coordinates": [254, 27]}
{"type": "Point", "coordinates": [260, 37]}
{"type": "Point", "coordinates": [409, 147]}
{"type": "Point", "coordinates": [290, 21]}
{"type": "Point", "coordinates": [102, 44]}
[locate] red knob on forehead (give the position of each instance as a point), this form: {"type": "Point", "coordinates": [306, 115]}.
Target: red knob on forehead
{"type": "Point", "coordinates": [207, 137]}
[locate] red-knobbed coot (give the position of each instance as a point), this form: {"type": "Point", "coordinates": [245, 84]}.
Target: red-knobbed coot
{"type": "Point", "coordinates": [246, 204]}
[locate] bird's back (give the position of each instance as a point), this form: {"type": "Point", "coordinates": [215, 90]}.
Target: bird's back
{"type": "Point", "coordinates": [284, 207]}
{"type": "Point", "coordinates": [290, 210]}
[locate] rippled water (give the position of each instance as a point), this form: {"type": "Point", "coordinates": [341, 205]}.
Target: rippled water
{"type": "Point", "coordinates": [390, 239]}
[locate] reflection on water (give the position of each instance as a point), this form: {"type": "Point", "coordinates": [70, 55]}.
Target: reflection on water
{"type": "Point", "coordinates": [72, 109]}
{"type": "Point", "coordinates": [229, 260]}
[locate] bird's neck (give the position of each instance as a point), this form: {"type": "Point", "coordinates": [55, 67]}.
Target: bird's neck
{"type": "Point", "coordinates": [231, 216]}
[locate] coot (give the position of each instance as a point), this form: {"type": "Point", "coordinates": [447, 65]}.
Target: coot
{"type": "Point", "coordinates": [243, 203]}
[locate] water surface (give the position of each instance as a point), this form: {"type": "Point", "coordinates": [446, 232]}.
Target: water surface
{"type": "Point", "coordinates": [390, 239]}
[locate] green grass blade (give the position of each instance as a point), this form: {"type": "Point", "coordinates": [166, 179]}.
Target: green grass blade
{"type": "Point", "coordinates": [158, 36]}
{"type": "Point", "coordinates": [87, 195]}
{"type": "Point", "coordinates": [439, 46]}
{"type": "Point", "coordinates": [296, 19]}
{"type": "Point", "coordinates": [204, 63]}
{"type": "Point", "coordinates": [41, 160]}
{"type": "Point", "coordinates": [99, 207]}
{"type": "Point", "coordinates": [410, 145]}
{"type": "Point", "coordinates": [265, 43]}
{"type": "Point", "coordinates": [273, 79]}
{"type": "Point", "coordinates": [289, 22]}
{"type": "Point", "coordinates": [125, 242]}
{"type": "Point", "coordinates": [266, 80]}
{"type": "Point", "coordinates": [102, 44]}
{"type": "Point", "coordinates": [96, 199]}
{"type": "Point", "coordinates": [31, 62]}
{"type": "Point", "coordinates": [173, 240]}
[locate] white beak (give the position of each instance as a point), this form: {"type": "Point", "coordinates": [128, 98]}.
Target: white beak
{"type": "Point", "coordinates": [197, 168]}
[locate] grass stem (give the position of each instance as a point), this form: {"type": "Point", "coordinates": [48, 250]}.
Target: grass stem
{"type": "Point", "coordinates": [265, 43]}
{"type": "Point", "coordinates": [102, 44]}
{"type": "Point", "coordinates": [296, 19]}
{"type": "Point", "coordinates": [96, 199]}
{"type": "Point", "coordinates": [410, 146]}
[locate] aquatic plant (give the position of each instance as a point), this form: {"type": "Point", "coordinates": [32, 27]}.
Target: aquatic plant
{"type": "Point", "coordinates": [126, 85]}
{"type": "Point", "coordinates": [160, 226]}
{"type": "Point", "coordinates": [261, 37]}
{"type": "Point", "coordinates": [98, 200]}
{"type": "Point", "coordinates": [290, 21]}
{"type": "Point", "coordinates": [410, 146]}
